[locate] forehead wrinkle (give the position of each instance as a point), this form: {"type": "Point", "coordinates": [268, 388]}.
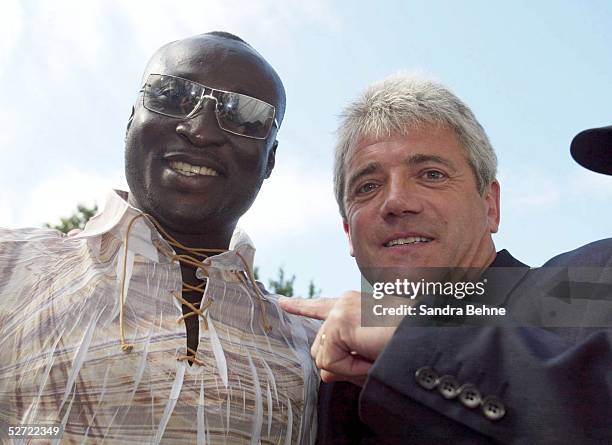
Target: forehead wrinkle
{"type": "Point", "coordinates": [421, 158]}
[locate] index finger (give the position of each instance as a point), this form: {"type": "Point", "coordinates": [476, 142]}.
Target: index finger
{"type": "Point", "coordinates": [308, 307]}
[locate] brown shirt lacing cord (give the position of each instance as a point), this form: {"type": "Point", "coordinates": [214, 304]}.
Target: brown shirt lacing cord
{"type": "Point", "coordinates": [192, 261]}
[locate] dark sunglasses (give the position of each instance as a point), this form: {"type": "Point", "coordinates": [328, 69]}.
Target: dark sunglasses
{"type": "Point", "coordinates": [236, 113]}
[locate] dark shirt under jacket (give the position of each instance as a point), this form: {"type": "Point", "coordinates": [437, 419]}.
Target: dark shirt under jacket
{"type": "Point", "coordinates": [472, 385]}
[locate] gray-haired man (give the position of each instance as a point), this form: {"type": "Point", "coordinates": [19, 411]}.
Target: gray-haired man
{"type": "Point", "coordinates": [415, 182]}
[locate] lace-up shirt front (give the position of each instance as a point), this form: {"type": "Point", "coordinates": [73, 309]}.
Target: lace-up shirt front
{"type": "Point", "coordinates": [61, 360]}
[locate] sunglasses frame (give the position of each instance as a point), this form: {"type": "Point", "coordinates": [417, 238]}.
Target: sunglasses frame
{"type": "Point", "coordinates": [210, 95]}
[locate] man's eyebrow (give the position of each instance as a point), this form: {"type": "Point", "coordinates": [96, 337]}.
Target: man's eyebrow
{"type": "Point", "coordinates": [421, 158]}
{"type": "Point", "coordinates": [411, 161]}
{"type": "Point", "coordinates": [363, 171]}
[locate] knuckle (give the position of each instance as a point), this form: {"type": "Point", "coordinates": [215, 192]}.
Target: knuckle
{"type": "Point", "coordinates": [337, 313]}
{"type": "Point", "coordinates": [326, 363]}
{"type": "Point", "coordinates": [351, 295]}
{"type": "Point", "coordinates": [318, 363]}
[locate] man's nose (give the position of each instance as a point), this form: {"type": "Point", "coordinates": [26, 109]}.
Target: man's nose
{"type": "Point", "coordinates": [402, 197]}
{"type": "Point", "coordinates": [203, 129]}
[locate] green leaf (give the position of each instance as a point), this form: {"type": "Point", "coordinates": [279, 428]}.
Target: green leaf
{"type": "Point", "coordinates": [77, 220]}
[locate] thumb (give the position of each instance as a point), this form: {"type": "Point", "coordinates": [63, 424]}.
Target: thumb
{"type": "Point", "coordinates": [309, 307]}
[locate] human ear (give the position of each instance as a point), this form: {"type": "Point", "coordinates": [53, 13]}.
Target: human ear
{"type": "Point", "coordinates": [129, 123]}
{"type": "Point", "coordinates": [271, 159]}
{"type": "Point", "coordinates": [493, 206]}
{"type": "Point", "coordinates": [347, 230]}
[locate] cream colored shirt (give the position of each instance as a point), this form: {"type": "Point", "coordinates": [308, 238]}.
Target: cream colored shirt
{"type": "Point", "coordinates": [61, 361]}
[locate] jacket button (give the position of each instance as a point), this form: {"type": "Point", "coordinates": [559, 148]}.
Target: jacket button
{"type": "Point", "coordinates": [493, 408]}
{"type": "Point", "coordinates": [448, 386]}
{"type": "Point", "coordinates": [469, 395]}
{"type": "Point", "coordinates": [427, 377]}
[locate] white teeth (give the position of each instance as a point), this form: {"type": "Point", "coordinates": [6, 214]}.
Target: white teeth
{"type": "Point", "coordinates": [409, 240]}
{"type": "Point", "coordinates": [191, 170]}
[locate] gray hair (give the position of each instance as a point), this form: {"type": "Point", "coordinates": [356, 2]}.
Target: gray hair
{"type": "Point", "coordinates": [403, 102]}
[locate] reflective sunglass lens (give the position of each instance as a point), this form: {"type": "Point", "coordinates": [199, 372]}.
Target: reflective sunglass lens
{"type": "Point", "coordinates": [171, 96]}
{"type": "Point", "coordinates": [236, 113]}
{"type": "Point", "coordinates": [244, 115]}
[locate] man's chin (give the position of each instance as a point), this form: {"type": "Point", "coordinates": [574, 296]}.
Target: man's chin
{"type": "Point", "coordinates": [191, 220]}
{"type": "Point", "coordinates": [406, 264]}
{"type": "Point", "coordinates": [392, 274]}
{"type": "Point", "coordinates": [411, 269]}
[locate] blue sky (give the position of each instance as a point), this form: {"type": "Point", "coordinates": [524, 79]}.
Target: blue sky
{"type": "Point", "coordinates": [534, 73]}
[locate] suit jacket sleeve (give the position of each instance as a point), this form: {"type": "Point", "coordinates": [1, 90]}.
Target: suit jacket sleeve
{"type": "Point", "coordinates": [549, 388]}
{"type": "Point", "coordinates": [547, 385]}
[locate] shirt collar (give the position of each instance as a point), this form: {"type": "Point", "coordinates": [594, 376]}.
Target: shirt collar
{"type": "Point", "coordinates": [117, 215]}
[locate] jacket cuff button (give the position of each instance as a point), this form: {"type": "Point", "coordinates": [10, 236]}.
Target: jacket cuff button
{"type": "Point", "coordinates": [493, 408]}
{"type": "Point", "coordinates": [448, 386]}
{"type": "Point", "coordinates": [469, 395]}
{"type": "Point", "coordinates": [427, 377]}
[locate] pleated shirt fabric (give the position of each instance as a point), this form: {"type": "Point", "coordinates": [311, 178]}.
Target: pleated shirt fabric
{"type": "Point", "coordinates": [61, 361]}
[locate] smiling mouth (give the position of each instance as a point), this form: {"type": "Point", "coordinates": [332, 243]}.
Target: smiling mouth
{"type": "Point", "coordinates": [185, 169]}
{"type": "Point", "coordinates": [408, 240]}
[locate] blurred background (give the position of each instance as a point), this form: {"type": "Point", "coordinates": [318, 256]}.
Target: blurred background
{"type": "Point", "coordinates": [534, 73]}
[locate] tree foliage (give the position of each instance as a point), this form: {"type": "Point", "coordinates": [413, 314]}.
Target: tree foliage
{"type": "Point", "coordinates": [77, 220]}
{"type": "Point", "coordinates": [282, 285]}
{"type": "Point", "coordinates": [313, 292]}
{"type": "Point", "coordinates": [285, 286]}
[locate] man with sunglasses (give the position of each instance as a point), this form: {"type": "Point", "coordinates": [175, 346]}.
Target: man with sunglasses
{"type": "Point", "coordinates": [148, 326]}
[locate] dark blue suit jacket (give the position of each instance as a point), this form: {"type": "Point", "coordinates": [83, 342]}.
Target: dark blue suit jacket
{"type": "Point", "coordinates": [554, 385]}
